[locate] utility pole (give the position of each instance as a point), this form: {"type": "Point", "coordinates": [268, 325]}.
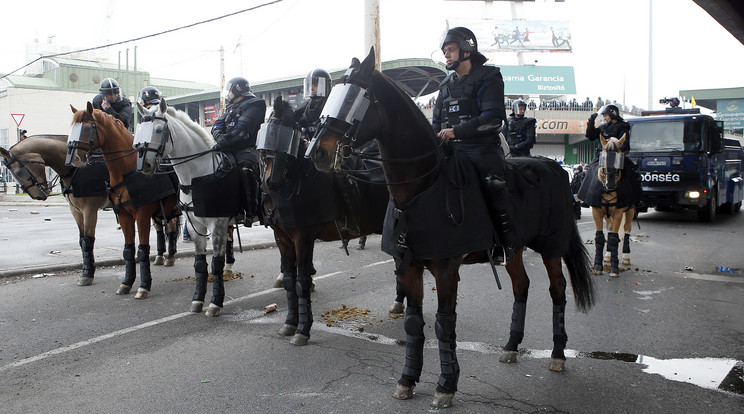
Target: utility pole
{"type": "Point", "coordinates": [650, 55]}
{"type": "Point", "coordinates": [222, 79]}
{"type": "Point", "coordinates": [372, 29]}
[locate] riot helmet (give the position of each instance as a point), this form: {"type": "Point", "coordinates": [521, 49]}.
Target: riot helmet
{"type": "Point", "coordinates": [238, 86]}
{"type": "Point", "coordinates": [467, 42]}
{"type": "Point", "coordinates": [149, 95]}
{"type": "Point", "coordinates": [610, 110]}
{"type": "Point", "coordinates": [516, 105]}
{"type": "Point", "coordinates": [317, 84]}
{"type": "Point", "coordinates": [110, 86]}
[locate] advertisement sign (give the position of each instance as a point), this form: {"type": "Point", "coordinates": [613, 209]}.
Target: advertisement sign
{"type": "Point", "coordinates": [210, 114]}
{"type": "Point", "coordinates": [731, 112]}
{"type": "Point", "coordinates": [496, 35]}
{"type": "Point", "coordinates": [538, 80]}
{"type": "Point", "coordinates": [561, 126]}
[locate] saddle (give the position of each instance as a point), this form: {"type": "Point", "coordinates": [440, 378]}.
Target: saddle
{"type": "Point", "coordinates": [89, 181]}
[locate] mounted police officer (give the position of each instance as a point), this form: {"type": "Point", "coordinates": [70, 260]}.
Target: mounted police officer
{"type": "Point", "coordinates": [148, 96]}
{"type": "Point", "coordinates": [520, 133]}
{"type": "Point", "coordinates": [236, 131]}
{"type": "Point", "coordinates": [110, 101]}
{"type": "Point", "coordinates": [469, 112]}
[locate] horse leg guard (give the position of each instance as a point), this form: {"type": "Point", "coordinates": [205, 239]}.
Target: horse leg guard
{"type": "Point", "coordinates": [289, 281]}
{"type": "Point", "coordinates": [626, 249]}
{"type": "Point", "coordinates": [229, 253]}
{"type": "Point", "coordinates": [200, 289]}
{"type": "Point", "coordinates": [414, 327]}
{"type": "Point", "coordinates": [516, 331]}
{"type": "Point", "coordinates": [599, 242]}
{"type": "Point", "coordinates": [89, 261]}
{"type": "Point", "coordinates": [172, 246]}
{"type": "Point", "coordinates": [160, 259]}
{"type": "Point", "coordinates": [130, 270]}
{"type": "Point", "coordinates": [304, 308]}
{"type": "Point", "coordinates": [445, 328]}
{"type": "Point", "coordinates": [218, 286]}
{"type": "Point", "coordinates": [560, 338]}
{"type": "Point", "coordinates": [613, 241]}
{"type": "Point", "coordinates": [143, 257]}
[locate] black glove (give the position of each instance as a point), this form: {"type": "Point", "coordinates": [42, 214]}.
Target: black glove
{"type": "Point", "coordinates": [592, 117]}
{"type": "Point", "coordinates": [217, 147]}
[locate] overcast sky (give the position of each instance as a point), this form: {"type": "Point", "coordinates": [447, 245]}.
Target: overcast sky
{"type": "Point", "coordinates": [610, 39]}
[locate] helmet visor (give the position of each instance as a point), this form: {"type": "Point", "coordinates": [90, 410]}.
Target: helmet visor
{"type": "Point", "coordinates": [278, 138]}
{"type": "Point", "coordinates": [315, 86]}
{"type": "Point", "coordinates": [347, 102]}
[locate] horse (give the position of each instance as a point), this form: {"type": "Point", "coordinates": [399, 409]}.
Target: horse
{"type": "Point", "coordinates": [26, 160]}
{"type": "Point", "coordinates": [612, 208]}
{"type": "Point", "coordinates": [301, 205]}
{"type": "Point", "coordinates": [437, 218]}
{"type": "Point", "coordinates": [135, 199]}
{"type": "Point", "coordinates": [167, 132]}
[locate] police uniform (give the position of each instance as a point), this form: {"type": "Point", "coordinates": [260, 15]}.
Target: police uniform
{"type": "Point", "coordinates": [520, 135]}
{"type": "Point", "coordinates": [121, 109]}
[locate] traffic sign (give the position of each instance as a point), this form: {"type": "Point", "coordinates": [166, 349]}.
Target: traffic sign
{"type": "Point", "coordinates": [18, 118]}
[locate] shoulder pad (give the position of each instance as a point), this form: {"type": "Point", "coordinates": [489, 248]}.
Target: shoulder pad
{"type": "Point", "coordinates": [447, 79]}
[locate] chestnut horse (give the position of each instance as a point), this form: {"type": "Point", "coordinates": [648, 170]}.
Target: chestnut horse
{"type": "Point", "coordinates": [95, 129]}
{"type": "Point", "coordinates": [437, 203]}
{"type": "Point", "coordinates": [302, 204]}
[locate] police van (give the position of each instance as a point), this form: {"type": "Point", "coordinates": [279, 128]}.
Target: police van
{"type": "Point", "coordinates": [686, 163]}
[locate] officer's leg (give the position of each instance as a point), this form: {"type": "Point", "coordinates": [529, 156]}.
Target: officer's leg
{"type": "Point", "coordinates": [492, 169]}
{"type": "Point", "coordinates": [351, 203]}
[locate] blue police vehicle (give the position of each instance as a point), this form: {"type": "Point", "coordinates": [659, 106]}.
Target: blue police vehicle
{"type": "Point", "coordinates": [686, 163]}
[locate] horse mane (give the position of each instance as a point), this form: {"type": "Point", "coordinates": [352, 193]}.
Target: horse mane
{"type": "Point", "coordinates": [102, 118]}
{"type": "Point", "coordinates": [394, 92]}
{"type": "Point", "coordinates": [189, 123]}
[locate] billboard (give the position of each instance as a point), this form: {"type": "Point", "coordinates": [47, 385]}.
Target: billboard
{"type": "Point", "coordinates": [518, 35]}
{"type": "Point", "coordinates": [731, 112]}
{"type": "Point", "coordinates": [538, 80]}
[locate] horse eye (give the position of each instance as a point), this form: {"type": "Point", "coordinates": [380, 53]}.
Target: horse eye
{"type": "Point", "coordinates": [159, 129]}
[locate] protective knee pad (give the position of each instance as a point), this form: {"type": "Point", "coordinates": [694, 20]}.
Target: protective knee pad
{"type": "Point", "coordinates": [414, 327]}
{"type": "Point", "coordinates": [143, 253]}
{"type": "Point", "coordinates": [445, 326]}
{"type": "Point", "coordinates": [289, 280]}
{"type": "Point", "coordinates": [413, 323]}
{"type": "Point", "coordinates": [128, 252]}
{"type": "Point", "coordinates": [218, 264]}
{"type": "Point", "coordinates": [613, 240]}
{"type": "Point", "coordinates": [599, 238]}
{"type": "Point", "coordinates": [200, 263]}
{"type": "Point", "coordinates": [303, 286]}
{"type": "Point", "coordinates": [626, 243]}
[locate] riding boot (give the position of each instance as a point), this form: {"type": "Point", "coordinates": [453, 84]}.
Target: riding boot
{"type": "Point", "coordinates": [250, 187]}
{"type": "Point", "coordinates": [498, 200]}
{"type": "Point", "coordinates": [143, 257]}
{"type": "Point", "coordinates": [599, 243]}
{"type": "Point", "coordinates": [351, 204]}
{"type": "Point", "coordinates": [229, 253]}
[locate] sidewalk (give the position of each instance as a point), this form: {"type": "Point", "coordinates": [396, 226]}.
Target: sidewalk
{"type": "Point", "coordinates": [41, 237]}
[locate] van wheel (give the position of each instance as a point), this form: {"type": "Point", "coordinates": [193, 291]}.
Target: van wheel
{"type": "Point", "coordinates": [737, 207]}
{"type": "Point", "coordinates": [708, 212]}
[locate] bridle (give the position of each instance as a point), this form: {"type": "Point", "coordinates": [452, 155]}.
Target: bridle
{"type": "Point", "coordinates": [25, 174]}
{"type": "Point", "coordinates": [93, 140]}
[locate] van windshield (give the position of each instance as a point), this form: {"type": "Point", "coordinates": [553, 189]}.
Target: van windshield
{"type": "Point", "coordinates": [669, 135]}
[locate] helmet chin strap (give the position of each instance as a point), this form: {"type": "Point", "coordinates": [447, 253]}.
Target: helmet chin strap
{"type": "Point", "coordinates": [454, 65]}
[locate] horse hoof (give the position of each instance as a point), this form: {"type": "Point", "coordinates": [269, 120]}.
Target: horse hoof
{"type": "Point", "coordinates": [557, 365]}
{"type": "Point", "coordinates": [508, 357]}
{"type": "Point", "coordinates": [278, 282]}
{"type": "Point", "coordinates": [596, 272]}
{"type": "Point", "coordinates": [85, 281]}
{"type": "Point", "coordinates": [299, 339]}
{"type": "Point", "coordinates": [402, 392]}
{"type": "Point", "coordinates": [159, 261]}
{"type": "Point", "coordinates": [123, 290]}
{"type": "Point", "coordinates": [614, 274]}
{"type": "Point", "coordinates": [442, 399]}
{"type": "Point", "coordinates": [227, 273]}
{"type": "Point", "coordinates": [170, 261]}
{"type": "Point", "coordinates": [626, 262]}
{"type": "Point", "coordinates": [397, 308]}
{"type": "Point", "coordinates": [196, 306]}
{"type": "Point", "coordinates": [287, 330]}
{"type": "Point", "coordinates": [607, 257]}
{"type": "Point", "coordinates": [360, 247]}
{"type": "Point", "coordinates": [142, 293]}
{"type": "Point", "coordinates": [213, 310]}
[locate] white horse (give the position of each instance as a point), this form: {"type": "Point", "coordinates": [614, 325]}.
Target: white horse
{"type": "Point", "coordinates": [165, 131]}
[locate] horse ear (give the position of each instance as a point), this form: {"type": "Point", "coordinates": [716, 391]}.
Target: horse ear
{"type": "Point", "coordinates": [90, 108]}
{"type": "Point", "coordinates": [354, 63]}
{"type": "Point", "coordinates": [141, 109]}
{"type": "Point", "coordinates": [163, 105]}
{"type": "Point", "coordinates": [369, 62]}
{"type": "Point", "coordinates": [602, 140]}
{"type": "Point", "coordinates": [73, 109]}
{"type": "Point", "coordinates": [622, 140]}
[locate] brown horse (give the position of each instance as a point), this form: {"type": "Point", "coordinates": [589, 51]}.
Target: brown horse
{"type": "Point", "coordinates": [614, 211]}
{"type": "Point", "coordinates": [438, 218]}
{"type": "Point", "coordinates": [95, 129]}
{"type": "Point", "coordinates": [301, 204]}
{"type": "Point", "coordinates": [27, 161]}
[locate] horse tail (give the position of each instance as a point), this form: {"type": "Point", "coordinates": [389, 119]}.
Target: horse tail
{"type": "Point", "coordinates": [577, 262]}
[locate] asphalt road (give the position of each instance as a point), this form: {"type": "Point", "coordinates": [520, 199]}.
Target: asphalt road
{"type": "Point", "coordinates": [661, 338]}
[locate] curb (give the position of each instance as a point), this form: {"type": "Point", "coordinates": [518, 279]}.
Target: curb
{"type": "Point", "coordinates": [28, 270]}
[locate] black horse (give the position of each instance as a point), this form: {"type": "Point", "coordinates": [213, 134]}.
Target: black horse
{"type": "Point", "coordinates": [437, 218]}
{"type": "Point", "coordinates": [302, 204]}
